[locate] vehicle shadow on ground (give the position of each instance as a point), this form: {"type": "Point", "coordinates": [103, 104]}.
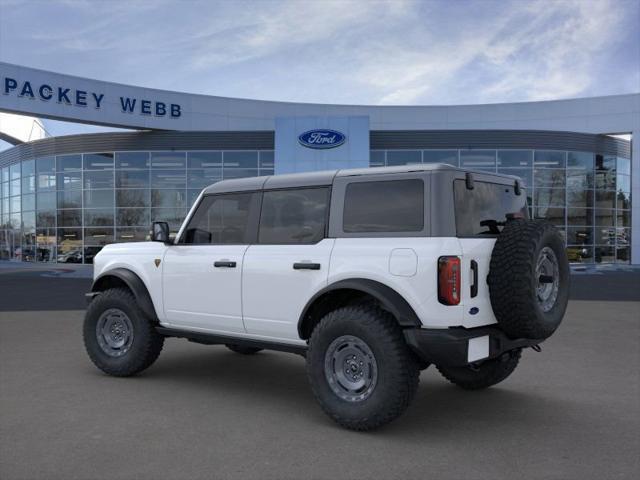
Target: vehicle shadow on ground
{"type": "Point", "coordinates": [281, 380]}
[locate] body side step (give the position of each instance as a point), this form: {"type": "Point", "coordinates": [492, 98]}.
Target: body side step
{"type": "Point", "coordinates": [216, 339]}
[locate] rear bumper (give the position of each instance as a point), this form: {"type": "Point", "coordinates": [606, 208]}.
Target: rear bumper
{"type": "Point", "coordinates": [461, 346]}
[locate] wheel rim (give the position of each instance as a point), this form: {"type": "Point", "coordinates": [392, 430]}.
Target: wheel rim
{"type": "Point", "coordinates": [548, 279]}
{"type": "Point", "coordinates": [114, 332]}
{"type": "Point", "coordinates": [350, 368]}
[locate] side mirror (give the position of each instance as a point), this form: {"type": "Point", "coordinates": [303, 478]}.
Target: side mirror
{"type": "Point", "coordinates": [160, 232]}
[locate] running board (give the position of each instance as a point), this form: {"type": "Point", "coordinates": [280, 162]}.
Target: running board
{"type": "Point", "coordinates": [215, 339]}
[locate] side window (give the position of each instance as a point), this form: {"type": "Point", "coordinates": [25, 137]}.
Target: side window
{"type": "Point", "coordinates": [293, 216]}
{"type": "Point", "coordinates": [384, 206]}
{"type": "Point", "coordinates": [222, 219]}
{"type": "Point", "coordinates": [483, 210]}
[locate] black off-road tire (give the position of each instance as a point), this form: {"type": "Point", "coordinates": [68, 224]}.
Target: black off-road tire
{"type": "Point", "coordinates": [513, 281]}
{"type": "Point", "coordinates": [146, 342]}
{"type": "Point", "coordinates": [243, 349]}
{"type": "Point", "coordinates": [485, 375]}
{"type": "Point", "coordinates": [397, 368]}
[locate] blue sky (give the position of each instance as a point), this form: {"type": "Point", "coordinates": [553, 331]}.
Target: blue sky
{"type": "Point", "coordinates": [362, 52]}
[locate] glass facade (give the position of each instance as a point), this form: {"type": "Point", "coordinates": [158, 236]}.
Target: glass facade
{"type": "Point", "coordinates": [585, 195]}
{"type": "Point", "coordinates": [65, 208]}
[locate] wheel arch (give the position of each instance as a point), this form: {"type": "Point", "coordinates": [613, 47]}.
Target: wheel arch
{"type": "Point", "coordinates": [347, 291]}
{"type": "Point", "coordinates": [123, 277]}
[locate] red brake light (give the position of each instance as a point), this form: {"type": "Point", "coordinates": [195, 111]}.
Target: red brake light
{"type": "Point", "coordinates": [449, 280]}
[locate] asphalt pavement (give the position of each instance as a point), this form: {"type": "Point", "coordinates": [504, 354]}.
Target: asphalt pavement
{"type": "Point", "coordinates": [569, 412]}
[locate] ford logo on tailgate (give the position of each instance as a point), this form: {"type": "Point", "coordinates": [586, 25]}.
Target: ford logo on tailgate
{"type": "Point", "coordinates": [322, 138]}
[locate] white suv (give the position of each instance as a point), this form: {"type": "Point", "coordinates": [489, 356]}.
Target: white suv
{"type": "Point", "coordinates": [371, 274]}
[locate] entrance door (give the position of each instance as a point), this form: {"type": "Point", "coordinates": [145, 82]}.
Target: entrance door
{"type": "Point", "coordinates": [202, 274]}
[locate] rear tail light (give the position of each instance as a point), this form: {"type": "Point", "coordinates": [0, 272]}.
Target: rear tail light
{"type": "Point", "coordinates": [449, 280]}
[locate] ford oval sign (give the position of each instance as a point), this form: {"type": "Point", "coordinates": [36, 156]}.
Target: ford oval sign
{"type": "Point", "coordinates": [322, 138]}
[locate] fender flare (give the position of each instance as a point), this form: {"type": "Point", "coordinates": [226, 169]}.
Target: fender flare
{"type": "Point", "coordinates": [390, 300]}
{"type": "Point", "coordinates": [135, 284]}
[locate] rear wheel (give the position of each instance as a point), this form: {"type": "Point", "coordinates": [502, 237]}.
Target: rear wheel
{"type": "Point", "coordinates": [488, 373]}
{"type": "Point", "coordinates": [243, 349]}
{"type": "Point", "coordinates": [118, 336]}
{"type": "Point", "coordinates": [360, 369]}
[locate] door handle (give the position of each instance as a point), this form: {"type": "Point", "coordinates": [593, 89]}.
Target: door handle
{"type": "Point", "coordinates": [224, 263]}
{"type": "Point", "coordinates": [474, 271]}
{"type": "Point", "coordinates": [306, 266]}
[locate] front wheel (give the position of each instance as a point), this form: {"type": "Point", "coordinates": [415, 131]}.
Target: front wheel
{"type": "Point", "coordinates": [488, 373]}
{"type": "Point", "coordinates": [118, 337]}
{"type": "Point", "coordinates": [360, 369]}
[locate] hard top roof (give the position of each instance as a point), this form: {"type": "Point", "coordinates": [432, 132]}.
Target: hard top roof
{"type": "Point", "coordinates": [312, 179]}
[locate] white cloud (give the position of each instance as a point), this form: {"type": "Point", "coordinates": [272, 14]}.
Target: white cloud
{"type": "Point", "coordinates": [388, 52]}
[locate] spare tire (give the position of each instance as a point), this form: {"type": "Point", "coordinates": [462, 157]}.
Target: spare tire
{"type": "Point", "coordinates": [529, 279]}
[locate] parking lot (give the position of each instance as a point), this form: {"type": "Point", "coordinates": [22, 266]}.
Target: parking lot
{"type": "Point", "coordinates": [570, 412]}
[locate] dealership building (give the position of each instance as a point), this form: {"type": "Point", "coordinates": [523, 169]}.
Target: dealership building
{"type": "Point", "coordinates": [64, 198]}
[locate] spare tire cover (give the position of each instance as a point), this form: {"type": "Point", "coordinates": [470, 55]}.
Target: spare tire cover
{"type": "Point", "coordinates": [529, 279]}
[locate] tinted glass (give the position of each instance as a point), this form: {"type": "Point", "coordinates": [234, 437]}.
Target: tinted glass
{"type": "Point", "coordinates": [70, 180]}
{"type": "Point", "coordinates": [98, 199]}
{"type": "Point", "coordinates": [132, 160]}
{"type": "Point", "coordinates": [98, 179]}
{"type": "Point", "coordinates": [133, 216]}
{"type": "Point", "coordinates": [481, 211]}
{"type": "Point", "coordinates": [266, 159]}
{"type": "Point", "coordinates": [624, 166]}
{"type": "Point", "coordinates": [133, 198]}
{"type": "Point", "coordinates": [168, 159]}
{"type": "Point", "coordinates": [515, 158]}
{"type": "Point", "coordinates": [241, 159]}
{"type": "Point", "coordinates": [168, 198]}
{"type": "Point", "coordinates": [28, 168]}
{"type": "Point", "coordinates": [28, 184]}
{"type": "Point", "coordinates": [293, 216]}
{"type": "Point", "coordinates": [94, 217]}
{"type": "Point", "coordinates": [69, 162]}
{"type": "Point", "coordinates": [98, 161]}
{"type": "Point", "coordinates": [478, 159]}
{"type": "Point", "coordinates": [376, 158]}
{"type": "Point", "coordinates": [44, 165]}
{"type": "Point", "coordinates": [580, 160]}
{"type": "Point", "coordinates": [549, 159]}
{"type": "Point", "coordinates": [403, 157]}
{"type": "Point", "coordinates": [47, 201]}
{"type": "Point", "coordinates": [132, 234]}
{"type": "Point", "coordinates": [132, 179]}
{"type": "Point", "coordinates": [401, 211]}
{"type": "Point", "coordinates": [221, 219]}
{"type": "Point", "coordinates": [204, 159]}
{"type": "Point", "coordinates": [203, 177]}
{"type": "Point", "coordinates": [168, 179]}
{"type": "Point", "coordinates": [440, 156]}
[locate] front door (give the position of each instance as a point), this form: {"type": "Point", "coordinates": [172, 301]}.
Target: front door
{"type": "Point", "coordinates": [289, 263]}
{"type": "Point", "coordinates": [202, 273]}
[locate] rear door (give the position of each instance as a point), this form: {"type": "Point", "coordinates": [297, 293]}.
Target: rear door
{"type": "Point", "coordinates": [202, 274]}
{"type": "Point", "coordinates": [480, 214]}
{"type": "Point", "coordinates": [289, 263]}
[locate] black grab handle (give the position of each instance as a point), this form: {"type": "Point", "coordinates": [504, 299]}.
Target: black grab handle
{"type": "Point", "coordinates": [225, 263]}
{"type": "Point", "coordinates": [474, 270]}
{"type": "Point", "coordinates": [306, 266]}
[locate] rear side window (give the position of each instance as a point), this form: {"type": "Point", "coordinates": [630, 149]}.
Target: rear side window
{"type": "Point", "coordinates": [223, 219]}
{"type": "Point", "coordinates": [293, 216]}
{"type": "Point", "coordinates": [384, 206]}
{"type": "Point", "coordinates": [483, 210]}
